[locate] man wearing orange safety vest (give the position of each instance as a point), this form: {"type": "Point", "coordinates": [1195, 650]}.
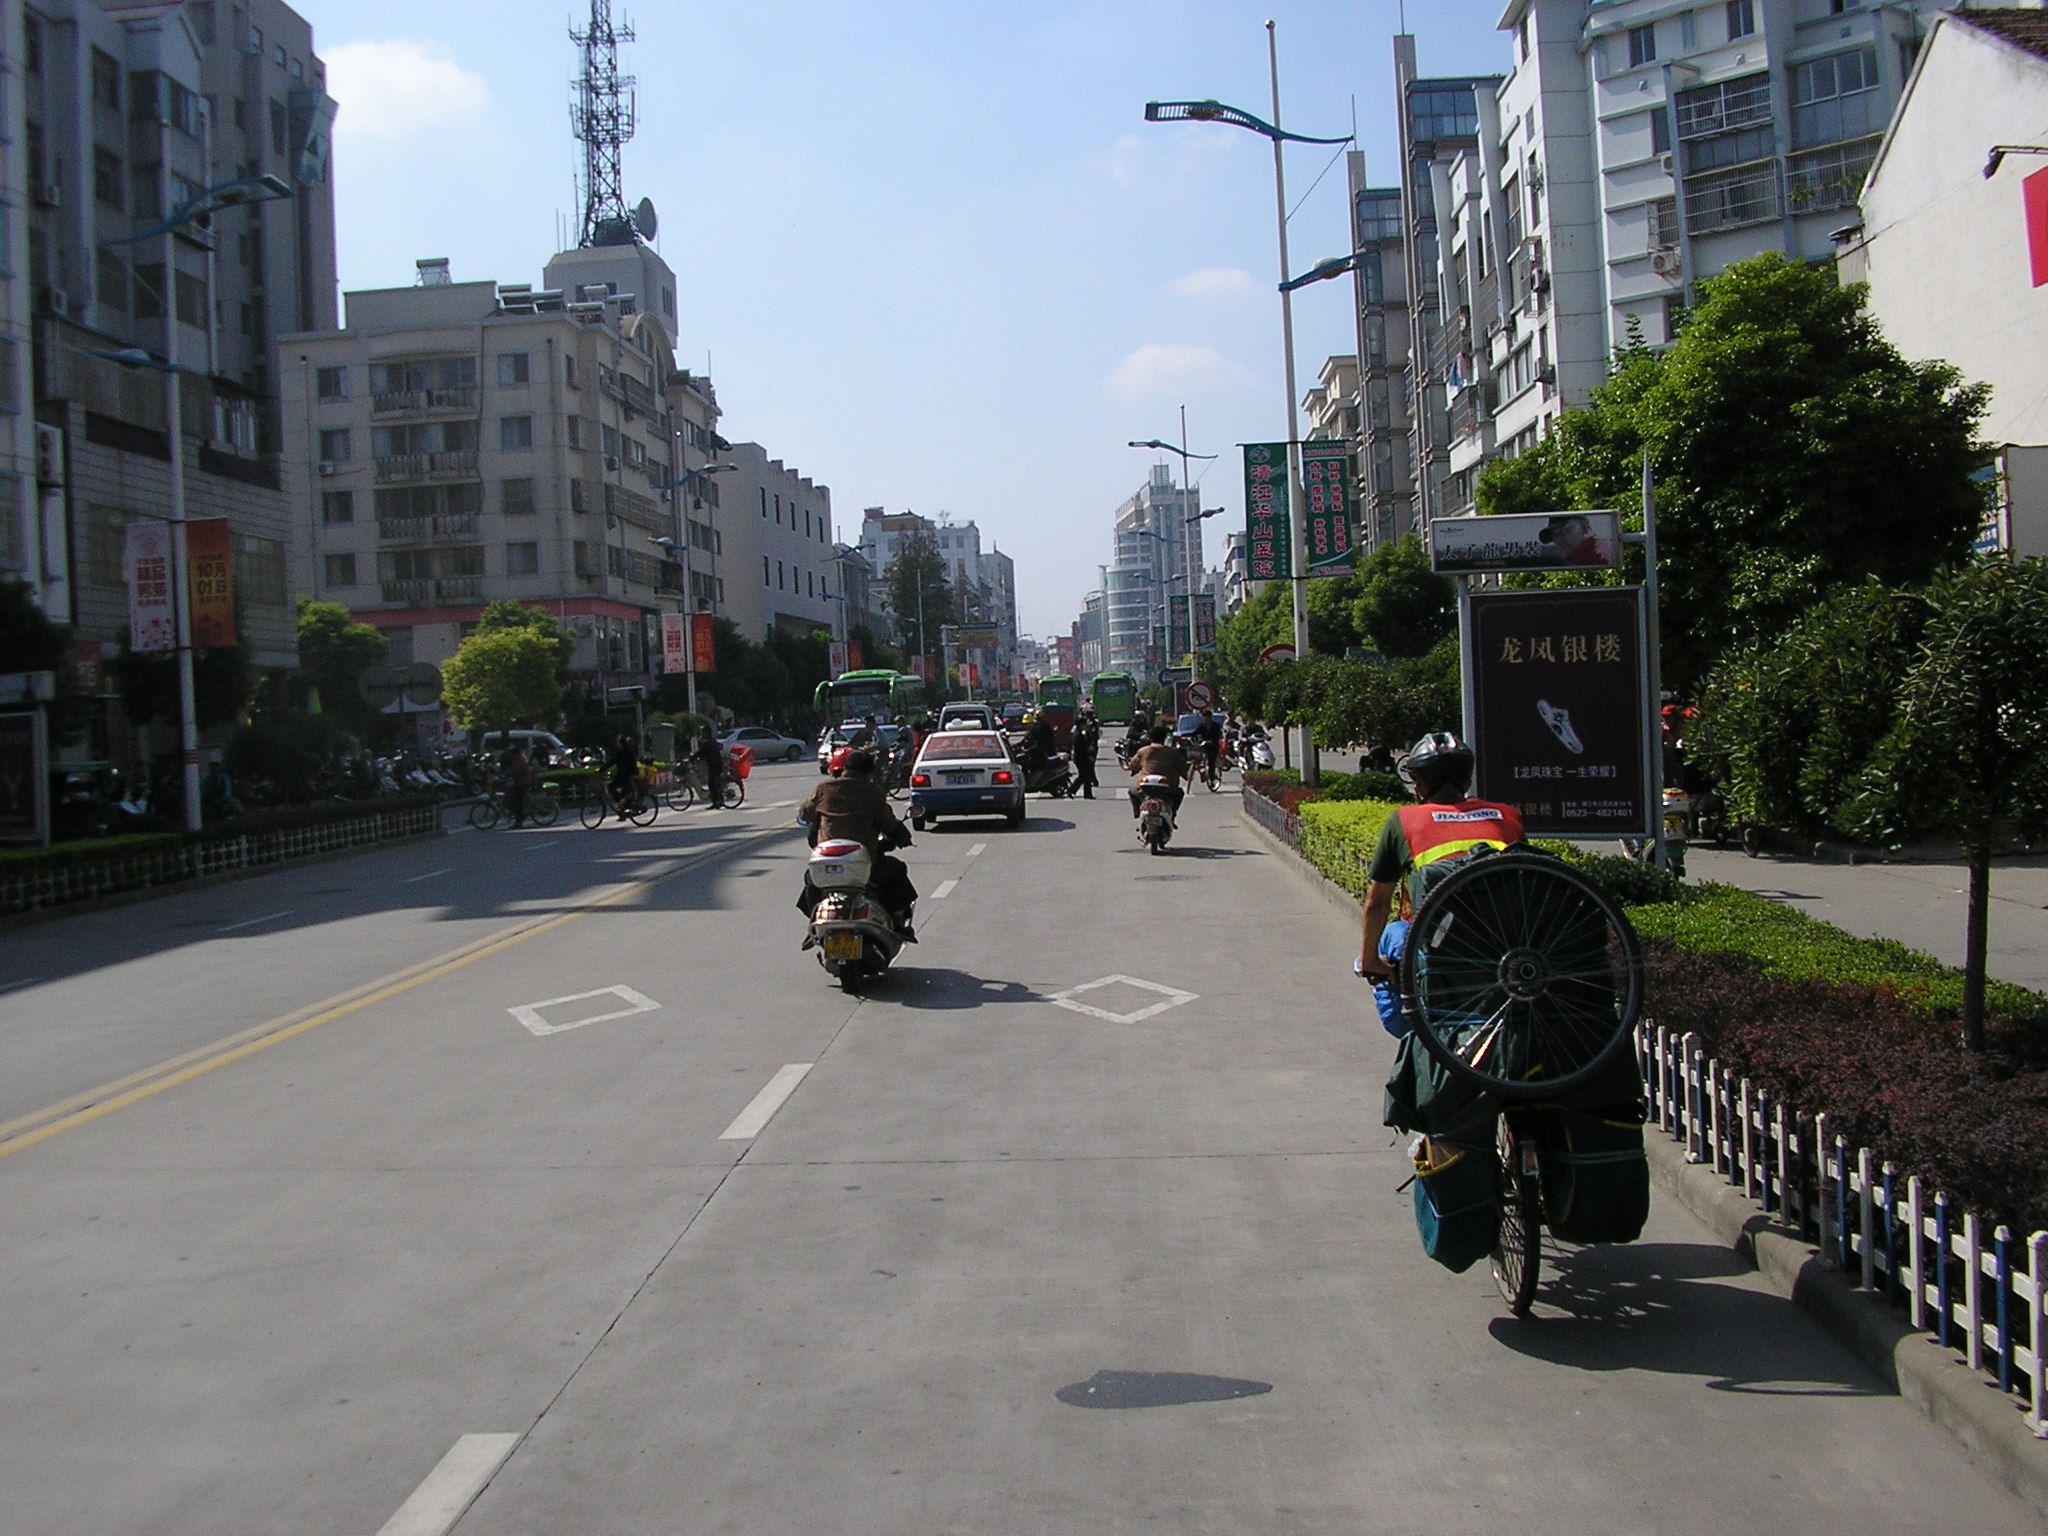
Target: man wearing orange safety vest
{"type": "Point", "coordinates": [1447, 824]}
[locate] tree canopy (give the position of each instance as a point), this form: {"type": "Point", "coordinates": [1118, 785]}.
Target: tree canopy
{"type": "Point", "coordinates": [334, 652]}
{"type": "Point", "coordinates": [501, 678]}
{"type": "Point", "coordinates": [918, 590]}
{"type": "Point", "coordinates": [1794, 450]}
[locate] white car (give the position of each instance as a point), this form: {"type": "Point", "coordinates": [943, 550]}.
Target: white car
{"type": "Point", "coordinates": [966, 773]}
{"type": "Point", "coordinates": [766, 745]}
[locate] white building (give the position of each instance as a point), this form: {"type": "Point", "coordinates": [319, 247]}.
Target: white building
{"type": "Point", "coordinates": [781, 522]}
{"type": "Point", "coordinates": [1152, 556]}
{"type": "Point", "coordinates": [1957, 259]}
{"type": "Point", "coordinates": [989, 577]}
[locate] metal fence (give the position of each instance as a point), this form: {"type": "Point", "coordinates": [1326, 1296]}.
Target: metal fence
{"type": "Point", "coordinates": [1973, 1284]}
{"type": "Point", "coordinates": [86, 877]}
{"type": "Point", "coordinates": [1284, 825]}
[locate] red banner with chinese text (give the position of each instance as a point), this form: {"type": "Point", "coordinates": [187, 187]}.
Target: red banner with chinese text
{"type": "Point", "coordinates": [210, 579]}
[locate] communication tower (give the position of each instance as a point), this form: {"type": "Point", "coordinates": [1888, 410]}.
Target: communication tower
{"type": "Point", "coordinates": [602, 118]}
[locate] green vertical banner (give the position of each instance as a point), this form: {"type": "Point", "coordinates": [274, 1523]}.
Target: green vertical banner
{"type": "Point", "coordinates": [1205, 622]}
{"type": "Point", "coordinates": [1326, 486]}
{"type": "Point", "coordinates": [1268, 556]}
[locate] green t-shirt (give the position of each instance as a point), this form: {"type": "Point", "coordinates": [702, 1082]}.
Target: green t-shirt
{"type": "Point", "coordinates": [1391, 855]}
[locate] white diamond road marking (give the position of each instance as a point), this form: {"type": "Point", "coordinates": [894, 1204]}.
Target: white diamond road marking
{"type": "Point", "coordinates": [1170, 997]}
{"type": "Point", "coordinates": [534, 1017]}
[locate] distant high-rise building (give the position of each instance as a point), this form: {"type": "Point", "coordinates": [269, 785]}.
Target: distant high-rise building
{"type": "Point", "coordinates": [1157, 535]}
{"type": "Point", "coordinates": [1385, 406]}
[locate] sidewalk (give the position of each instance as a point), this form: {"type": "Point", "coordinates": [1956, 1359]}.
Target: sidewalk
{"type": "Point", "coordinates": [1921, 905]}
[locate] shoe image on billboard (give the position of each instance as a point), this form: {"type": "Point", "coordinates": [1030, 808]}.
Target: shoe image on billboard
{"type": "Point", "coordinates": [1560, 723]}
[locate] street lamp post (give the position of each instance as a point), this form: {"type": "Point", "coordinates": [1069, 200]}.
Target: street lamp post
{"type": "Point", "coordinates": [1297, 543]}
{"type": "Point", "coordinates": [689, 597]}
{"type": "Point", "coordinates": [1189, 526]}
{"type": "Point", "coordinates": [214, 199]}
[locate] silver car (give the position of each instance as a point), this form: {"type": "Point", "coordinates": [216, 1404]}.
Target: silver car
{"type": "Point", "coordinates": [766, 745]}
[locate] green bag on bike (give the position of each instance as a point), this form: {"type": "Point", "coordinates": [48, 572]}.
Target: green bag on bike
{"type": "Point", "coordinates": [1457, 1201]}
{"type": "Point", "coordinates": [1596, 1177]}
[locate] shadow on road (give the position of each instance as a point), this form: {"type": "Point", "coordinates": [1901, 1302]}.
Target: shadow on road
{"type": "Point", "coordinates": [935, 988]}
{"type": "Point", "coordinates": [1654, 1307]}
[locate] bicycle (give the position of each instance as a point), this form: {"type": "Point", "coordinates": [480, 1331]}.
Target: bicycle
{"type": "Point", "coordinates": [491, 808]}
{"type": "Point", "coordinates": [690, 787]}
{"type": "Point", "coordinates": [1523, 980]}
{"type": "Point", "coordinates": [641, 807]}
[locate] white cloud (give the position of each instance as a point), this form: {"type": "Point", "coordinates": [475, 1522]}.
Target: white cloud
{"type": "Point", "coordinates": [392, 90]}
{"type": "Point", "coordinates": [1167, 368]}
{"type": "Point", "coordinates": [1215, 283]}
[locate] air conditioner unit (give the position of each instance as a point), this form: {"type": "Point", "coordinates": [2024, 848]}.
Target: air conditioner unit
{"type": "Point", "coordinates": [50, 194]}
{"type": "Point", "coordinates": [49, 454]}
{"type": "Point", "coordinates": [1547, 375]}
{"type": "Point", "coordinates": [1539, 280]}
{"type": "Point", "coordinates": [1665, 263]}
{"type": "Point", "coordinates": [1664, 161]}
{"type": "Point", "coordinates": [329, 467]}
{"type": "Point", "coordinates": [610, 461]}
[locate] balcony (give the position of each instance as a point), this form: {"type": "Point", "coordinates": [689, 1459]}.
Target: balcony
{"type": "Point", "coordinates": [423, 402]}
{"type": "Point", "coordinates": [427, 466]}
{"type": "Point", "coordinates": [434, 589]}
{"type": "Point", "coordinates": [446, 527]}
{"type": "Point", "coordinates": [638, 397]}
{"type": "Point", "coordinates": [630, 506]}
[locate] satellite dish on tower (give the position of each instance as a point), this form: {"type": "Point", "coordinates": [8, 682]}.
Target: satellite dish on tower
{"type": "Point", "coordinates": [644, 220]}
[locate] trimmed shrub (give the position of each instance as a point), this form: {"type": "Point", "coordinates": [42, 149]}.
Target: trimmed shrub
{"type": "Point", "coordinates": [1627, 882]}
{"type": "Point", "coordinates": [1365, 786]}
{"type": "Point", "coordinates": [1337, 837]}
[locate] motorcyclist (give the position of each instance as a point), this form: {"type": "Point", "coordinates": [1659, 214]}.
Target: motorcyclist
{"type": "Point", "coordinates": [1159, 758]}
{"type": "Point", "coordinates": [1446, 824]}
{"type": "Point", "coordinates": [1040, 747]}
{"type": "Point", "coordinates": [1209, 739]}
{"type": "Point", "coordinates": [851, 805]}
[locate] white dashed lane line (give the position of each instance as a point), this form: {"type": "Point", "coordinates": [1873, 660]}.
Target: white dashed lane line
{"type": "Point", "coordinates": [945, 889]}
{"type": "Point", "coordinates": [754, 1119]}
{"type": "Point", "coordinates": [451, 1487]}
{"type": "Point", "coordinates": [251, 922]}
{"type": "Point", "coordinates": [977, 848]}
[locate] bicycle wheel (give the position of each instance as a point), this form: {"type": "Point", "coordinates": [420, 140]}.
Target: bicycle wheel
{"type": "Point", "coordinates": [597, 804]}
{"type": "Point", "coordinates": [645, 807]}
{"type": "Point", "coordinates": [735, 794]}
{"type": "Point", "coordinates": [1520, 976]}
{"type": "Point", "coordinates": [542, 809]}
{"type": "Point", "coordinates": [1518, 1250]}
{"type": "Point", "coordinates": [484, 813]}
{"type": "Point", "coordinates": [682, 794]}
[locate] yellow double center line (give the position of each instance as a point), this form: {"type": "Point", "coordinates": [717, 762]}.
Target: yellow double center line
{"type": "Point", "coordinates": [32, 1129]}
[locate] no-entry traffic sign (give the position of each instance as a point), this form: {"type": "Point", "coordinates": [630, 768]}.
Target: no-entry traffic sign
{"type": "Point", "coordinates": [1200, 695]}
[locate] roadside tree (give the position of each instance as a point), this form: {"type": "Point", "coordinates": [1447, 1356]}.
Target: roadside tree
{"type": "Point", "coordinates": [501, 679]}
{"type": "Point", "coordinates": [334, 652]}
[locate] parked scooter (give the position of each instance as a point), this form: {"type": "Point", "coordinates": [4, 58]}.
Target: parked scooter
{"type": "Point", "coordinates": [851, 928]}
{"type": "Point", "coordinates": [1155, 812]}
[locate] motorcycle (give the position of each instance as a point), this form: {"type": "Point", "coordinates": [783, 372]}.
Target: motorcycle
{"type": "Point", "coordinates": [1155, 814]}
{"type": "Point", "coordinates": [1054, 776]}
{"type": "Point", "coordinates": [1255, 754]}
{"type": "Point", "coordinates": [852, 930]}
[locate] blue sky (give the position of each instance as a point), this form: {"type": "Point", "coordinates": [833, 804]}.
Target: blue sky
{"type": "Point", "coordinates": [932, 252]}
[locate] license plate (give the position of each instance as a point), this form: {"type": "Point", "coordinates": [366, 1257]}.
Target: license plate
{"type": "Point", "coordinates": [842, 946]}
{"type": "Point", "coordinates": [963, 778]}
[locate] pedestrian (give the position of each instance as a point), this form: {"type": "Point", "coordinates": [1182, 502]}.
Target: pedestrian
{"type": "Point", "coordinates": [1087, 740]}
{"type": "Point", "coordinates": [518, 779]}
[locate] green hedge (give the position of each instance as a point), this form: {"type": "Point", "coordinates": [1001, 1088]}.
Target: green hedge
{"type": "Point", "coordinates": [87, 850]}
{"type": "Point", "coordinates": [1337, 837]}
{"type": "Point", "coordinates": [91, 850]}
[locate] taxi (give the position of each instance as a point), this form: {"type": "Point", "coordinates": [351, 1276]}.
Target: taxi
{"type": "Point", "coordinates": [965, 773]}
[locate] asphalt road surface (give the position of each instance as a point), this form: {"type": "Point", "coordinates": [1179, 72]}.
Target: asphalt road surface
{"type": "Point", "coordinates": [544, 1164]}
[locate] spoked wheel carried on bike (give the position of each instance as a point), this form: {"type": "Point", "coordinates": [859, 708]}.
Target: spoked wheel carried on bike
{"type": "Point", "coordinates": [1521, 977]}
{"type": "Point", "coordinates": [1518, 1250]}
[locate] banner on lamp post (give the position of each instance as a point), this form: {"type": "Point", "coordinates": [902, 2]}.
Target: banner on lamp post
{"type": "Point", "coordinates": [856, 658]}
{"type": "Point", "coordinates": [1268, 556]}
{"type": "Point", "coordinates": [675, 655]}
{"type": "Point", "coordinates": [210, 582]}
{"type": "Point", "coordinates": [703, 652]}
{"type": "Point", "coordinates": [835, 658]}
{"type": "Point", "coordinates": [152, 624]}
{"type": "Point", "coordinates": [1326, 486]}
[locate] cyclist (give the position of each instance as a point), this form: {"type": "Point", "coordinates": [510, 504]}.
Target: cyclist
{"type": "Point", "coordinates": [1209, 738]}
{"type": "Point", "coordinates": [711, 753]}
{"type": "Point", "coordinates": [850, 804]}
{"type": "Point", "coordinates": [625, 774]}
{"type": "Point", "coordinates": [1446, 824]}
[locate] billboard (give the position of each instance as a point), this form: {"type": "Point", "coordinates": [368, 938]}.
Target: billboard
{"type": "Point", "coordinates": [1268, 555]}
{"type": "Point", "coordinates": [152, 626]}
{"type": "Point", "coordinates": [975, 637]}
{"type": "Point", "coordinates": [1559, 708]}
{"type": "Point", "coordinates": [1326, 488]}
{"type": "Point", "coordinates": [674, 643]}
{"type": "Point", "coordinates": [210, 579]}
{"type": "Point", "coordinates": [1525, 541]}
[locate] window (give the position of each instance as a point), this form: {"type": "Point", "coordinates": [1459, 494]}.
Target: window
{"type": "Point", "coordinates": [192, 300]}
{"type": "Point", "coordinates": [331, 383]}
{"type": "Point", "coordinates": [146, 180]}
{"type": "Point", "coordinates": [1727, 105]}
{"type": "Point", "coordinates": [337, 507]}
{"type": "Point", "coordinates": [1445, 111]}
{"type": "Point", "coordinates": [278, 56]}
{"type": "Point", "coordinates": [1724, 199]}
{"type": "Point", "coordinates": [235, 423]}
{"type": "Point", "coordinates": [522, 559]}
{"type": "Point", "coordinates": [108, 177]}
{"type": "Point", "coordinates": [259, 569]}
{"type": "Point", "coordinates": [106, 80]}
{"type": "Point", "coordinates": [778, 576]}
{"type": "Point", "coordinates": [426, 437]}
{"type": "Point", "coordinates": [111, 286]}
{"type": "Point", "coordinates": [1730, 149]}
{"type": "Point", "coordinates": [636, 453]}
{"type": "Point", "coordinates": [778, 511]}
{"type": "Point", "coordinates": [575, 432]}
{"type": "Point", "coordinates": [149, 290]}
{"type": "Point", "coordinates": [32, 44]}
{"type": "Point", "coordinates": [1829, 177]}
{"type": "Point", "coordinates": [335, 446]}
{"type": "Point", "coordinates": [280, 123]}
{"type": "Point", "coordinates": [341, 570]}
{"type": "Point", "coordinates": [512, 370]}
{"type": "Point", "coordinates": [515, 497]}
{"type": "Point", "coordinates": [764, 570]}
{"type": "Point", "coordinates": [810, 584]}
{"type": "Point", "coordinates": [1522, 37]}
{"type": "Point", "coordinates": [764, 500]}
{"type": "Point", "coordinates": [1741, 19]}
{"type": "Point", "coordinates": [423, 375]}
{"type": "Point", "coordinates": [608, 440]}
{"type": "Point", "coordinates": [1836, 98]}
{"type": "Point", "coordinates": [1688, 33]}
{"type": "Point", "coordinates": [515, 433]}
{"type": "Point", "coordinates": [569, 373]}
{"type": "Point", "coordinates": [1642, 45]}
{"type": "Point", "coordinates": [1664, 224]}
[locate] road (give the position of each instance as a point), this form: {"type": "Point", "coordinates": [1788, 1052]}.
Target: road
{"type": "Point", "coordinates": [751, 1256]}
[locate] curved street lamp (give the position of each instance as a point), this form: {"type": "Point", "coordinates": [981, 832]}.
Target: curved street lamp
{"type": "Point", "coordinates": [1236, 117]}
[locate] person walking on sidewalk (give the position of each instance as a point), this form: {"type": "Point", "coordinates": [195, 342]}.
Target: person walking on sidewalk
{"type": "Point", "coordinates": [1087, 741]}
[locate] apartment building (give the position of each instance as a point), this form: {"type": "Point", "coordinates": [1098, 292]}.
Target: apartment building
{"type": "Point", "coordinates": [788, 537]}
{"type": "Point", "coordinates": [455, 443]}
{"type": "Point", "coordinates": [119, 118]}
{"type": "Point", "coordinates": [989, 577]}
{"type": "Point", "coordinates": [1385, 428]}
{"type": "Point", "coordinates": [1636, 148]}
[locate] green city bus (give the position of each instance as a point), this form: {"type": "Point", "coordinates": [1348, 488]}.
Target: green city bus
{"type": "Point", "coordinates": [878, 691]}
{"type": "Point", "coordinates": [1116, 697]}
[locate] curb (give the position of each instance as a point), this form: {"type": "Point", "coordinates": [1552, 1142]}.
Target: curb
{"type": "Point", "coordinates": [1985, 1422]}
